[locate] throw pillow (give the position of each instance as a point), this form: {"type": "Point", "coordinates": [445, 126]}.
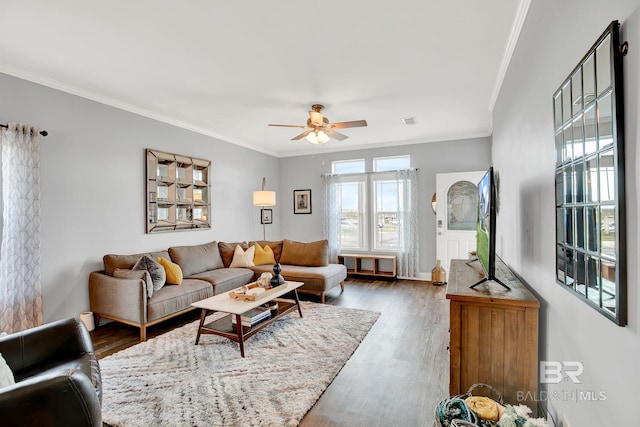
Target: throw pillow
{"type": "Point", "coordinates": [156, 271]}
{"type": "Point", "coordinates": [173, 271]}
{"type": "Point", "coordinates": [111, 261]}
{"type": "Point", "coordinates": [228, 249]}
{"type": "Point", "coordinates": [6, 376]}
{"type": "Point", "coordinates": [243, 258]}
{"type": "Point", "coordinates": [124, 273]}
{"type": "Point", "coordinates": [313, 254]}
{"type": "Point", "coordinates": [276, 247]}
{"type": "Point", "coordinates": [263, 256]}
{"type": "Point", "coordinates": [196, 259]}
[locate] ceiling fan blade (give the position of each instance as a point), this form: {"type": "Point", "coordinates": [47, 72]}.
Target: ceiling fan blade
{"type": "Point", "coordinates": [302, 135]}
{"type": "Point", "coordinates": [289, 126]}
{"type": "Point", "coordinates": [352, 124]}
{"type": "Point", "coordinates": [336, 135]}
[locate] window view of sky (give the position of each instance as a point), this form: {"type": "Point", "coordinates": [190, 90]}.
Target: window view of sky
{"type": "Point", "coordinates": [386, 191]}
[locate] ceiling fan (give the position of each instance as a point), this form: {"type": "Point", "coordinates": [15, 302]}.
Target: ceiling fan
{"type": "Point", "coordinates": [318, 128]}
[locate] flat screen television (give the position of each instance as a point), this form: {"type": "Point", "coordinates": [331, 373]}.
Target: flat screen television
{"type": "Point", "coordinates": [486, 228]}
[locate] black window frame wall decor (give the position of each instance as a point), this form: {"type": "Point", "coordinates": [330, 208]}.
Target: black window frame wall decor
{"type": "Point", "coordinates": [588, 113]}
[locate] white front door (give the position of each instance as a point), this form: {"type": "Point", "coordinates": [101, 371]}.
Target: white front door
{"type": "Point", "coordinates": [456, 215]}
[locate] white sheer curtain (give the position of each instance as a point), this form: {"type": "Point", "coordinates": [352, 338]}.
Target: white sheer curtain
{"type": "Point", "coordinates": [331, 214]}
{"type": "Point", "coordinates": [20, 280]}
{"type": "Point", "coordinates": [408, 257]}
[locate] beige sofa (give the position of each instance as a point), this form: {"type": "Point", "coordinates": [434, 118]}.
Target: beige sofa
{"type": "Point", "coordinates": [206, 273]}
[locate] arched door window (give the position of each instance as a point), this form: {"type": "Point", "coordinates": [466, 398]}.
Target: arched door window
{"type": "Point", "coordinates": [462, 206]}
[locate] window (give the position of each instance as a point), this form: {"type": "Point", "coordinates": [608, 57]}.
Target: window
{"type": "Point", "coordinates": [348, 166]}
{"type": "Point", "coordinates": [386, 192]}
{"type": "Point", "coordinates": [369, 203]}
{"type": "Point", "coordinates": [352, 196]}
{"type": "Point", "coordinates": [352, 200]}
{"type": "Point", "coordinates": [462, 205]}
{"type": "Point", "coordinates": [381, 164]}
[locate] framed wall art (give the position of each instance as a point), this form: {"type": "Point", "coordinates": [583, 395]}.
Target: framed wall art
{"type": "Point", "coordinates": [301, 201]}
{"type": "Point", "coordinates": [266, 216]}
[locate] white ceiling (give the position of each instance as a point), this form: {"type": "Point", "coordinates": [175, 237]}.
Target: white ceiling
{"type": "Point", "coordinates": [228, 68]}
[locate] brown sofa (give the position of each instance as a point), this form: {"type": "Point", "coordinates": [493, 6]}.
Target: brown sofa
{"type": "Point", "coordinates": [206, 273]}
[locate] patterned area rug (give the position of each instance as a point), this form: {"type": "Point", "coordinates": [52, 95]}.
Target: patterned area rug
{"type": "Point", "coordinates": [169, 381]}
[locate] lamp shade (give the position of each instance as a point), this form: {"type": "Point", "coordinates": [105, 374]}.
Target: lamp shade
{"type": "Point", "coordinates": [264, 198]}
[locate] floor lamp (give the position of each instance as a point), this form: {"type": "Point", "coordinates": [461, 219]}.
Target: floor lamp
{"type": "Point", "coordinates": [264, 198]}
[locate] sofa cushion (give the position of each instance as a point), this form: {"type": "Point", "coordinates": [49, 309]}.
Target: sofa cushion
{"type": "Point", "coordinates": [242, 258]}
{"type": "Point", "coordinates": [196, 259]}
{"type": "Point", "coordinates": [124, 273]}
{"type": "Point", "coordinates": [315, 278]}
{"type": "Point", "coordinates": [263, 255]}
{"type": "Point", "coordinates": [227, 249]}
{"type": "Point", "coordinates": [172, 298]}
{"type": "Point", "coordinates": [172, 271]}
{"type": "Point", "coordinates": [318, 279]}
{"type": "Point", "coordinates": [314, 254]}
{"type": "Point", "coordinates": [225, 279]}
{"type": "Point", "coordinates": [156, 271]}
{"type": "Point", "coordinates": [111, 261]}
{"type": "Point", "coordinates": [276, 247]}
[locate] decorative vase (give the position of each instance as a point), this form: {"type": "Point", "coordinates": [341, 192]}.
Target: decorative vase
{"type": "Point", "coordinates": [438, 275]}
{"type": "Point", "coordinates": [273, 308]}
{"type": "Point", "coordinates": [277, 278]}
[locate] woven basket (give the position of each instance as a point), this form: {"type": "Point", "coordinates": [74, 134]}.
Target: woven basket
{"type": "Point", "coordinates": [454, 412]}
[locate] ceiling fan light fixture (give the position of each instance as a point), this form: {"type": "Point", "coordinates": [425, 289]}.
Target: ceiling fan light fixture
{"type": "Point", "coordinates": [316, 118]}
{"type": "Point", "coordinates": [320, 130]}
{"type": "Point", "coordinates": [323, 137]}
{"type": "Point", "coordinates": [312, 138]}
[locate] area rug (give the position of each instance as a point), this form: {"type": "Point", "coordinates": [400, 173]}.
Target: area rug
{"type": "Point", "coordinates": [169, 381]}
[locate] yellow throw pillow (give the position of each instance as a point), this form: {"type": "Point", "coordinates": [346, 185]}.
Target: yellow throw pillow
{"type": "Point", "coordinates": [173, 270]}
{"type": "Point", "coordinates": [263, 255]}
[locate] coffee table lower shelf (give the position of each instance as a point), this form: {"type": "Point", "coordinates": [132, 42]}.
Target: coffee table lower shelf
{"type": "Point", "coordinates": [225, 328]}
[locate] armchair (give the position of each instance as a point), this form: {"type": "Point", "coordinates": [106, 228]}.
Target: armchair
{"type": "Point", "coordinates": [57, 377]}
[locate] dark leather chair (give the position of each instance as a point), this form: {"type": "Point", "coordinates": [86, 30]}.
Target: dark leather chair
{"type": "Point", "coordinates": [57, 377]}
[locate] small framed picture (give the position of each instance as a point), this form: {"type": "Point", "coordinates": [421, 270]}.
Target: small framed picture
{"type": "Point", "coordinates": [266, 216]}
{"type": "Point", "coordinates": [301, 201]}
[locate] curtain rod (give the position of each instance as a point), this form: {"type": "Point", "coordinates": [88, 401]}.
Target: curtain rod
{"type": "Point", "coordinates": [42, 132]}
{"type": "Point", "coordinates": [369, 173]}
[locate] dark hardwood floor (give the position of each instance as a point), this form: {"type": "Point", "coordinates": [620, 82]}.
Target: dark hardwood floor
{"type": "Point", "coordinates": [397, 375]}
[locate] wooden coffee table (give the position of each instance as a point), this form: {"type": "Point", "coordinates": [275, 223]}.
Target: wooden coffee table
{"type": "Point", "coordinates": [235, 307]}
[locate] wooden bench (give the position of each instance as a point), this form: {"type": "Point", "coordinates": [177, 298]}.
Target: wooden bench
{"type": "Point", "coordinates": [374, 270]}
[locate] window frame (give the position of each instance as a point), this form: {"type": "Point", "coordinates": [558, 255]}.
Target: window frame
{"type": "Point", "coordinates": [368, 225]}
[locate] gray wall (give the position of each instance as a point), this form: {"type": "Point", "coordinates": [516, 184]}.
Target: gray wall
{"type": "Point", "coordinates": [430, 158]}
{"type": "Point", "coordinates": [555, 37]}
{"type": "Point", "coordinates": [93, 191]}
{"type": "Point", "coordinates": [92, 181]}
